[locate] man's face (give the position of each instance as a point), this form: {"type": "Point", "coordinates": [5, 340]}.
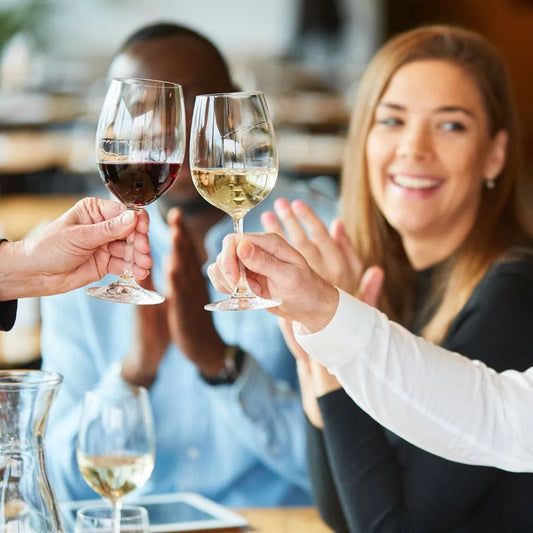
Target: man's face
{"type": "Point", "coordinates": [182, 60]}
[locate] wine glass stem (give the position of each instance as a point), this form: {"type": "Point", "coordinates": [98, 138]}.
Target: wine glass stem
{"type": "Point", "coordinates": [242, 288]}
{"type": "Point", "coordinates": [127, 274]}
{"type": "Point", "coordinates": [116, 507]}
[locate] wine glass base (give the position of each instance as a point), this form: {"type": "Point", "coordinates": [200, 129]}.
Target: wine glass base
{"type": "Point", "coordinates": [242, 303]}
{"type": "Point", "coordinates": [125, 293]}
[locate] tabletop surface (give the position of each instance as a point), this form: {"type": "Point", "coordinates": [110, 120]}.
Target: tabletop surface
{"type": "Point", "coordinates": [280, 520]}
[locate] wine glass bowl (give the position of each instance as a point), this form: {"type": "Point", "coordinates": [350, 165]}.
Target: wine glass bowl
{"type": "Point", "coordinates": [116, 443]}
{"type": "Point", "coordinates": [140, 145]}
{"type": "Point", "coordinates": [234, 166]}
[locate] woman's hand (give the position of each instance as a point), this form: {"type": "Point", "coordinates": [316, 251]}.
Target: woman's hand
{"type": "Point", "coordinates": [315, 380]}
{"type": "Point", "coordinates": [330, 254]}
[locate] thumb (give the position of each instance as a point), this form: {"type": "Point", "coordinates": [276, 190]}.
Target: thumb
{"type": "Point", "coordinates": [261, 261]}
{"type": "Point", "coordinates": [119, 227]}
{"type": "Point", "coordinates": [371, 285]}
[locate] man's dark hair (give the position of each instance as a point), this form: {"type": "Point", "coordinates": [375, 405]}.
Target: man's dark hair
{"type": "Point", "coordinates": [170, 29]}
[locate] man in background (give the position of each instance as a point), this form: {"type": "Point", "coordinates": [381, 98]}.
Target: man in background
{"type": "Point", "coordinates": [223, 386]}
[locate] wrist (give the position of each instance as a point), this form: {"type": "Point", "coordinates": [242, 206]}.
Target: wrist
{"type": "Point", "coordinates": [319, 315]}
{"type": "Point", "coordinates": [212, 359]}
{"type": "Point", "coordinates": [232, 366]}
{"type": "Point", "coordinates": [135, 371]}
{"type": "Point", "coordinates": [16, 280]}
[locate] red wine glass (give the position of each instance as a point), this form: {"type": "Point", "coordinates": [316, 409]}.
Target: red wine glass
{"type": "Point", "coordinates": [140, 144]}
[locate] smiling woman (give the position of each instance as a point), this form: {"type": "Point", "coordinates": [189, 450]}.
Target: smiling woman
{"type": "Point", "coordinates": [429, 193]}
{"type": "Point", "coordinates": [428, 151]}
{"type": "Point", "coordinates": [435, 103]}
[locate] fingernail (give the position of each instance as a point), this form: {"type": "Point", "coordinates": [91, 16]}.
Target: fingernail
{"type": "Point", "coordinates": [281, 205]}
{"type": "Point", "coordinates": [128, 216]}
{"type": "Point", "coordinates": [268, 217]}
{"type": "Point", "coordinates": [297, 204]}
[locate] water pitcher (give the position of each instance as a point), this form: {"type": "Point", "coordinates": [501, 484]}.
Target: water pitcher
{"type": "Point", "coordinates": [27, 503]}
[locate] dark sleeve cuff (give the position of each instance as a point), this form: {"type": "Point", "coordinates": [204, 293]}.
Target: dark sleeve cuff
{"type": "Point", "coordinates": [8, 313]}
{"type": "Point", "coordinates": [336, 403]}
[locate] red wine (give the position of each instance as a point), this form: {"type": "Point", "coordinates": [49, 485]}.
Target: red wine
{"type": "Point", "coordinates": [136, 184]}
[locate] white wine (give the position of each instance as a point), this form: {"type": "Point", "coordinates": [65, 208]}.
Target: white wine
{"type": "Point", "coordinates": [235, 191]}
{"type": "Point", "coordinates": [113, 476]}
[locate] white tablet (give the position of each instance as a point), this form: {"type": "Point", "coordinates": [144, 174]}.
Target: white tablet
{"type": "Point", "coordinates": [182, 511]}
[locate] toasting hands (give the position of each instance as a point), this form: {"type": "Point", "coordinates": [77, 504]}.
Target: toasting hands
{"type": "Point", "coordinates": [81, 246]}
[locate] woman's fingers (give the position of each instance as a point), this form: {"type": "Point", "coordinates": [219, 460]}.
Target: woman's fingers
{"type": "Point", "coordinates": [296, 234]}
{"type": "Point", "coordinates": [339, 235]}
{"type": "Point", "coordinates": [315, 227]}
{"type": "Point", "coordinates": [299, 353]}
{"type": "Point", "coordinates": [371, 285]}
{"type": "Point", "coordinates": [320, 250]}
{"type": "Point", "coordinates": [293, 229]}
{"type": "Point", "coordinates": [271, 223]}
{"type": "Point", "coordinates": [323, 381]}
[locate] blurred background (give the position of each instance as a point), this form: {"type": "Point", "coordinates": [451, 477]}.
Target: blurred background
{"type": "Point", "coordinates": [306, 55]}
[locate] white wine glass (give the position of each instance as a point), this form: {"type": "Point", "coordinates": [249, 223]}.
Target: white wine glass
{"type": "Point", "coordinates": [133, 519]}
{"type": "Point", "coordinates": [234, 165]}
{"type": "Point", "coordinates": [116, 443]}
{"type": "Point", "coordinates": [140, 145]}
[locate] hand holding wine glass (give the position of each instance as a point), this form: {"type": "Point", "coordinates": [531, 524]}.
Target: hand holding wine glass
{"type": "Point", "coordinates": [116, 443]}
{"type": "Point", "coordinates": [140, 144]}
{"type": "Point", "coordinates": [234, 165]}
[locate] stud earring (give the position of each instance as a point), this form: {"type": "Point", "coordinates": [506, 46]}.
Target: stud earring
{"type": "Point", "coordinates": [490, 183]}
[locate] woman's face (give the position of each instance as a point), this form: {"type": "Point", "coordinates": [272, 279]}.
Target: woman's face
{"type": "Point", "coordinates": [428, 151]}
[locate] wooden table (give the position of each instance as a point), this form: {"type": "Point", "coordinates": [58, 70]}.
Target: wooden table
{"type": "Point", "coordinates": [20, 213]}
{"type": "Point", "coordinates": [281, 520]}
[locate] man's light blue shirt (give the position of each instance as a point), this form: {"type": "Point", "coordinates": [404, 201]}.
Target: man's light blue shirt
{"type": "Point", "coordinates": [240, 444]}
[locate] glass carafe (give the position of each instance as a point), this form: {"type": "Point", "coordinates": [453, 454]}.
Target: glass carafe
{"type": "Point", "coordinates": [27, 503]}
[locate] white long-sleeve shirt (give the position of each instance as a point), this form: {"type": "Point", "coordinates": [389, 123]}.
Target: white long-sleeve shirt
{"type": "Point", "coordinates": [438, 400]}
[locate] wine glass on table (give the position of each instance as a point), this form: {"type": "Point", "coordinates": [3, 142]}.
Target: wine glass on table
{"type": "Point", "coordinates": [116, 443]}
{"type": "Point", "coordinates": [140, 145]}
{"type": "Point", "coordinates": [234, 165]}
{"type": "Point", "coordinates": [133, 519]}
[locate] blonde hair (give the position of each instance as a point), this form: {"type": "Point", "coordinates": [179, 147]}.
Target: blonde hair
{"type": "Point", "coordinates": [498, 221]}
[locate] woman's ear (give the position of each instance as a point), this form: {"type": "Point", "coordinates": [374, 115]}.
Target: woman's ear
{"type": "Point", "coordinates": [496, 156]}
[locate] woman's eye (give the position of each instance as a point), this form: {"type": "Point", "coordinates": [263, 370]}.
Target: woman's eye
{"type": "Point", "coordinates": [390, 121]}
{"type": "Point", "coordinates": [453, 126]}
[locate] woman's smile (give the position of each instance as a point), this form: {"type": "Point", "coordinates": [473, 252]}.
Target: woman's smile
{"type": "Point", "coordinates": [411, 185]}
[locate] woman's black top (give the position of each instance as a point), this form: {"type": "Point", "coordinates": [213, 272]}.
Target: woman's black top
{"type": "Point", "coordinates": [367, 479]}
